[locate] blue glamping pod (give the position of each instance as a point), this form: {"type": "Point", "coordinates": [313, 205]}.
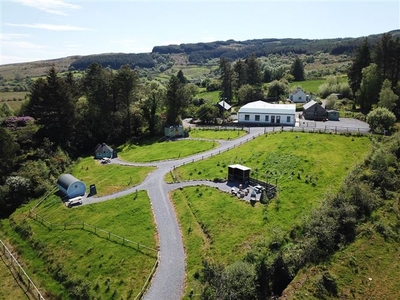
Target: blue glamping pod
{"type": "Point", "coordinates": [70, 186]}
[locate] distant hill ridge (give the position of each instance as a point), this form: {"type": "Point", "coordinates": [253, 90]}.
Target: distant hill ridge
{"type": "Point", "coordinates": [200, 53]}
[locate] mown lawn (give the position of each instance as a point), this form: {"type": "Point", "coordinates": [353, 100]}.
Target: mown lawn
{"type": "Point", "coordinates": [75, 261]}
{"type": "Point", "coordinates": [109, 178]}
{"type": "Point", "coordinates": [155, 151]}
{"type": "Point", "coordinates": [306, 167]}
{"type": "Point", "coordinates": [216, 134]}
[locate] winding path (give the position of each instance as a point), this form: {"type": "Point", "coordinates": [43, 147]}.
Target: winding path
{"type": "Point", "coordinates": [169, 280]}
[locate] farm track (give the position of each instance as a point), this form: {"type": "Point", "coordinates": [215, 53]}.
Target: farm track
{"type": "Point", "coordinates": [169, 279]}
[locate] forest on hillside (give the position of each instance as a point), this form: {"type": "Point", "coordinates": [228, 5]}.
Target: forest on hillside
{"type": "Point", "coordinates": [200, 53]}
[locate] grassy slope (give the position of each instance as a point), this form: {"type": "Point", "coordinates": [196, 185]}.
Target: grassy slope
{"type": "Point", "coordinates": [104, 267]}
{"type": "Point", "coordinates": [9, 289]}
{"type": "Point", "coordinates": [108, 178]}
{"type": "Point", "coordinates": [368, 268]}
{"type": "Point", "coordinates": [219, 226]}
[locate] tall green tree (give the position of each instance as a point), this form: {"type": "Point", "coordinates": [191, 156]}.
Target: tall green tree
{"type": "Point", "coordinates": [177, 99]}
{"type": "Point", "coordinates": [253, 70]}
{"type": "Point", "coordinates": [181, 77]}
{"type": "Point", "coordinates": [101, 105]}
{"type": "Point", "coordinates": [387, 98]}
{"type": "Point", "coordinates": [297, 70]}
{"type": "Point", "coordinates": [8, 153]}
{"type": "Point", "coordinates": [371, 82]}
{"type": "Point", "coordinates": [249, 93]}
{"type": "Point", "coordinates": [278, 89]}
{"type": "Point", "coordinates": [226, 76]}
{"type": "Point", "coordinates": [207, 113]}
{"type": "Point", "coordinates": [240, 74]}
{"type": "Point", "coordinates": [361, 59]}
{"type": "Point", "coordinates": [153, 98]}
{"type": "Point", "coordinates": [126, 90]}
{"type": "Point", "coordinates": [387, 57]}
{"type": "Point", "coordinates": [52, 103]}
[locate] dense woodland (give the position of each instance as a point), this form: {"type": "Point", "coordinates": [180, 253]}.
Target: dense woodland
{"type": "Point", "coordinates": [66, 116]}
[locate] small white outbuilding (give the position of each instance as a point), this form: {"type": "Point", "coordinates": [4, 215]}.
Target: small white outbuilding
{"type": "Point", "coordinates": [263, 113]}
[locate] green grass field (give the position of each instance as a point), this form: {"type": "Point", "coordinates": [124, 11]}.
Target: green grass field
{"type": "Point", "coordinates": [307, 167]}
{"type": "Point", "coordinates": [216, 134]}
{"type": "Point", "coordinates": [213, 97]}
{"type": "Point", "coordinates": [312, 86]}
{"type": "Point", "coordinates": [108, 178]}
{"type": "Point", "coordinates": [71, 262]}
{"type": "Point", "coordinates": [155, 151]}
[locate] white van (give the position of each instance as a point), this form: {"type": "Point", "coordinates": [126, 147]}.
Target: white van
{"type": "Point", "coordinates": [74, 201]}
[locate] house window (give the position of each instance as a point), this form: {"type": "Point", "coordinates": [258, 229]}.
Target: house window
{"type": "Point", "coordinates": [257, 118]}
{"type": "Point", "coordinates": [266, 118]}
{"type": "Point", "coordinates": [288, 119]}
{"type": "Point", "coordinates": [246, 117]}
{"type": "Point", "coordinates": [299, 97]}
{"type": "Point", "coordinates": [272, 119]}
{"type": "Point", "coordinates": [278, 119]}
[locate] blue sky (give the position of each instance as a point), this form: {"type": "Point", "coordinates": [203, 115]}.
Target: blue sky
{"type": "Point", "coordinates": [45, 29]}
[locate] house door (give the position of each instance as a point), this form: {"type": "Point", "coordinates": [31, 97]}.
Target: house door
{"type": "Point", "coordinates": [272, 119]}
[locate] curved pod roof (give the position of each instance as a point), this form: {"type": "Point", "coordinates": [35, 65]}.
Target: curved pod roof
{"type": "Point", "coordinates": [71, 186]}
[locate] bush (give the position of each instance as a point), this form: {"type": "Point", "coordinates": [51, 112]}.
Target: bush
{"type": "Point", "coordinates": [381, 119]}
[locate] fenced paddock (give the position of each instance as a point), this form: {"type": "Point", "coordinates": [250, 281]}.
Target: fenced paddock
{"type": "Point", "coordinates": [94, 229]}
{"type": "Point", "coordinates": [309, 129]}
{"type": "Point", "coordinates": [18, 272]}
{"type": "Point", "coordinates": [105, 234]}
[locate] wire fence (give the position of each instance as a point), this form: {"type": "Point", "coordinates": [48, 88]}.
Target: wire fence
{"type": "Point", "coordinates": [21, 275]}
{"type": "Point", "coordinates": [312, 129]}
{"type": "Point", "coordinates": [96, 230]}
{"type": "Point", "coordinates": [101, 233]}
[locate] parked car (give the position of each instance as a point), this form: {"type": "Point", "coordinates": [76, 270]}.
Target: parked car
{"type": "Point", "coordinates": [73, 202]}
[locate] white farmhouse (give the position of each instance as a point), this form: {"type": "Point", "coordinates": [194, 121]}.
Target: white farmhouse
{"type": "Point", "coordinates": [264, 113]}
{"type": "Point", "coordinates": [298, 96]}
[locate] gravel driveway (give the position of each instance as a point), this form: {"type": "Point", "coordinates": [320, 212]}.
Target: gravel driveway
{"type": "Point", "coordinates": [169, 280]}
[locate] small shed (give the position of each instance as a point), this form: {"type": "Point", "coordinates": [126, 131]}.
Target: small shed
{"type": "Point", "coordinates": [333, 115]}
{"type": "Point", "coordinates": [314, 111]}
{"type": "Point", "coordinates": [104, 151]}
{"type": "Point", "coordinates": [223, 106]}
{"type": "Point", "coordinates": [238, 173]}
{"type": "Point", "coordinates": [71, 186]}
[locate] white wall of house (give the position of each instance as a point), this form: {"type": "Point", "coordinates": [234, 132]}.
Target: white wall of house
{"type": "Point", "coordinates": [267, 118]}
{"type": "Point", "coordinates": [298, 97]}
{"type": "Point", "coordinates": [267, 114]}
